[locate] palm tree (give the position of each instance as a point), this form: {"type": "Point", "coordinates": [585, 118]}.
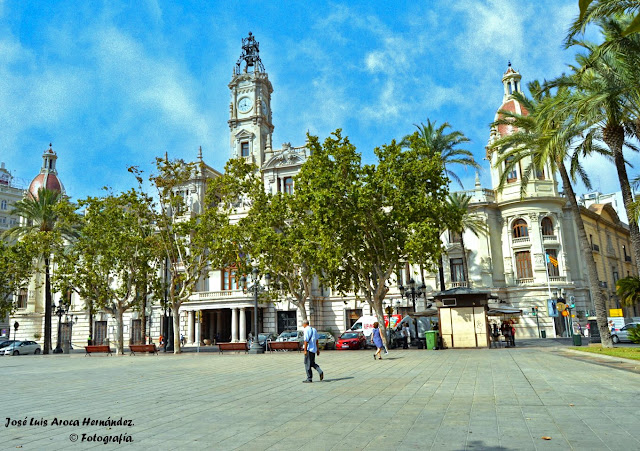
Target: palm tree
{"type": "Point", "coordinates": [594, 10]}
{"type": "Point", "coordinates": [469, 222]}
{"type": "Point", "coordinates": [43, 224]}
{"type": "Point", "coordinates": [545, 136]}
{"type": "Point", "coordinates": [435, 140]}
{"type": "Point", "coordinates": [629, 290]}
{"type": "Point", "coordinates": [606, 99]}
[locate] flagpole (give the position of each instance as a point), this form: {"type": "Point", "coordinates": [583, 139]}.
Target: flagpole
{"type": "Point", "coordinates": [546, 270]}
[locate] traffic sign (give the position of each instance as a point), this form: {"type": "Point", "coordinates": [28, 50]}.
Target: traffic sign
{"type": "Point", "coordinates": [561, 306]}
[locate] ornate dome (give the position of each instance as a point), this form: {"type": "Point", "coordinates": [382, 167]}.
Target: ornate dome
{"type": "Point", "coordinates": [48, 177]}
{"type": "Point", "coordinates": [511, 82]}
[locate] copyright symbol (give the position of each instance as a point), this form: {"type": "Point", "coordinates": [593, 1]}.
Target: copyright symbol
{"type": "Point", "coordinates": [73, 437]}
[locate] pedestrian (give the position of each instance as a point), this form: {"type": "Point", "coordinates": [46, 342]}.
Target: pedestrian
{"type": "Point", "coordinates": [377, 341]}
{"type": "Point", "coordinates": [310, 347]}
{"type": "Point", "coordinates": [513, 335]}
{"type": "Point", "coordinates": [161, 341]}
{"type": "Point", "coordinates": [406, 333]}
{"type": "Point", "coordinates": [579, 329]}
{"type": "Point", "coordinates": [89, 340]}
{"type": "Point", "coordinates": [506, 332]}
{"type": "Point", "coordinates": [183, 341]}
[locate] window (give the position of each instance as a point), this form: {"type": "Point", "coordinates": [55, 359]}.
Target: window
{"type": "Point", "coordinates": [22, 298]}
{"type": "Point", "coordinates": [229, 279]}
{"type": "Point", "coordinates": [540, 174]}
{"type": "Point", "coordinates": [455, 237]}
{"type": "Point", "coordinates": [3, 205]}
{"type": "Point", "coordinates": [244, 149]}
{"type": "Point", "coordinates": [547, 227]}
{"type": "Point", "coordinates": [288, 185]}
{"type": "Point", "coordinates": [615, 275]}
{"type": "Point", "coordinates": [520, 229]}
{"type": "Point", "coordinates": [457, 273]}
{"type": "Point", "coordinates": [99, 332]}
{"type": "Point", "coordinates": [552, 270]}
{"type": "Point", "coordinates": [512, 176]}
{"type": "Point", "coordinates": [523, 265]}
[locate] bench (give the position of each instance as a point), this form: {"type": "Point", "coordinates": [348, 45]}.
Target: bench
{"type": "Point", "coordinates": [238, 346]}
{"type": "Point", "coordinates": [143, 348]}
{"type": "Point", "coordinates": [284, 346]}
{"type": "Point", "coordinates": [97, 348]}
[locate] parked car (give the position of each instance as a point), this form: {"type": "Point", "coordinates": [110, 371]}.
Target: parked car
{"type": "Point", "coordinates": [4, 344]}
{"type": "Point", "coordinates": [22, 347]}
{"type": "Point", "coordinates": [326, 340]}
{"type": "Point", "coordinates": [622, 334]}
{"type": "Point", "coordinates": [290, 335]}
{"type": "Point", "coordinates": [263, 338]}
{"type": "Point", "coordinates": [351, 340]}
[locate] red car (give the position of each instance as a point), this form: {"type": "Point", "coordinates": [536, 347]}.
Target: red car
{"type": "Point", "coordinates": [351, 340]}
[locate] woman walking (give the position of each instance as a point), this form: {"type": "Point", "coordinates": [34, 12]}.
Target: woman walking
{"type": "Point", "coordinates": [377, 340]}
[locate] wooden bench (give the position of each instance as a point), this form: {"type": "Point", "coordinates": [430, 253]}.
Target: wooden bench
{"type": "Point", "coordinates": [238, 346]}
{"type": "Point", "coordinates": [143, 348]}
{"type": "Point", "coordinates": [284, 346]}
{"type": "Point", "coordinates": [97, 348]}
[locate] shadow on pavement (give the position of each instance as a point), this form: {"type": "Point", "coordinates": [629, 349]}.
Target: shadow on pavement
{"type": "Point", "coordinates": [336, 379]}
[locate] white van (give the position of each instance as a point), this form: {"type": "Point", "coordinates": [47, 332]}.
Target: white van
{"type": "Point", "coordinates": [365, 324]}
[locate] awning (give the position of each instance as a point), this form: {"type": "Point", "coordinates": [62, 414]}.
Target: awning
{"type": "Point", "coordinates": [504, 311]}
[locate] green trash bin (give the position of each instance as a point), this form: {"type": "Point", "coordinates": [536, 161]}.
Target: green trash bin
{"type": "Point", "coordinates": [543, 334]}
{"type": "Point", "coordinates": [431, 337]}
{"type": "Point", "coordinates": [577, 340]}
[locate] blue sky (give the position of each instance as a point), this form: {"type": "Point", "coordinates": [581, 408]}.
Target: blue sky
{"type": "Point", "coordinates": [115, 84]}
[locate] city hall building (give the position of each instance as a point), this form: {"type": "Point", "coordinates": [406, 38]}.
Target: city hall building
{"type": "Point", "coordinates": [511, 262]}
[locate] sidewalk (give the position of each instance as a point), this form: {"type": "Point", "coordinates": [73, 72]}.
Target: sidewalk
{"type": "Point", "coordinates": [454, 399]}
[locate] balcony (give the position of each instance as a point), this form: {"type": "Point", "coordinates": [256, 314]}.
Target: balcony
{"type": "Point", "coordinates": [627, 258]}
{"type": "Point", "coordinates": [548, 238]}
{"type": "Point", "coordinates": [557, 279]}
{"type": "Point", "coordinates": [520, 241]}
{"type": "Point", "coordinates": [595, 248]}
{"type": "Point", "coordinates": [212, 295]}
{"type": "Point", "coordinates": [524, 281]}
{"type": "Point", "coordinates": [463, 284]}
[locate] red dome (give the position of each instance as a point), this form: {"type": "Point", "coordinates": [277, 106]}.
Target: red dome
{"type": "Point", "coordinates": [46, 180]}
{"type": "Point", "coordinates": [511, 106]}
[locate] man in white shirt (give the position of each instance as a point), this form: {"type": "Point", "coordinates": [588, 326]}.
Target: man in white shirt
{"type": "Point", "coordinates": [310, 350]}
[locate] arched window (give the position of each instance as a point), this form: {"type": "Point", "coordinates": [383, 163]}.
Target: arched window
{"type": "Point", "coordinates": [547, 226]}
{"type": "Point", "coordinates": [520, 229]}
{"type": "Point", "coordinates": [288, 185]}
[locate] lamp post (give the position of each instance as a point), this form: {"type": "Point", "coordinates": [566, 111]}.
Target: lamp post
{"type": "Point", "coordinates": [256, 289]}
{"type": "Point", "coordinates": [60, 310]}
{"type": "Point", "coordinates": [413, 292]}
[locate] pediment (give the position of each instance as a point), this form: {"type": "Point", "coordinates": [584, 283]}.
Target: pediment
{"type": "Point", "coordinates": [244, 134]}
{"type": "Point", "coordinates": [286, 158]}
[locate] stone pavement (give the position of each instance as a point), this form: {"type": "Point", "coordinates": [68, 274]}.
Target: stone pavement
{"type": "Point", "coordinates": [502, 399]}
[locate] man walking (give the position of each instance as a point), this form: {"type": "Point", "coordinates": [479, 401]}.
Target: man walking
{"type": "Point", "coordinates": [310, 350]}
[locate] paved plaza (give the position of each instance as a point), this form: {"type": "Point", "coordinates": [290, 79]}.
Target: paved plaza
{"type": "Point", "coordinates": [506, 399]}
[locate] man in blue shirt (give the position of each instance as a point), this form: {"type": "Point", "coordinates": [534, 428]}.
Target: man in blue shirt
{"type": "Point", "coordinates": [310, 350]}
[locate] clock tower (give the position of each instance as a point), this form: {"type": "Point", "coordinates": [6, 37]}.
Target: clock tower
{"type": "Point", "coordinates": [250, 108]}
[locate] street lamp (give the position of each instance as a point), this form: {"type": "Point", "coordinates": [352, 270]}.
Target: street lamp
{"type": "Point", "coordinates": [412, 292]}
{"type": "Point", "coordinates": [256, 289]}
{"type": "Point", "coordinates": [62, 309]}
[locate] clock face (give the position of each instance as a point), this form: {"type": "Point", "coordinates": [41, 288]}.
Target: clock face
{"type": "Point", "coordinates": [245, 104]}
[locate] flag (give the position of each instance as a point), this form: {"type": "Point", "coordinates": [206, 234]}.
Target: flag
{"type": "Point", "coordinates": [552, 260]}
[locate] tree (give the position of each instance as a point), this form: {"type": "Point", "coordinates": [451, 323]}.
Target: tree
{"type": "Point", "coordinates": [628, 288]}
{"type": "Point", "coordinates": [367, 218]}
{"type": "Point", "coordinates": [48, 221]}
{"type": "Point", "coordinates": [595, 10]}
{"type": "Point", "coordinates": [606, 98]}
{"type": "Point", "coordinates": [115, 259]}
{"type": "Point", "coordinates": [16, 268]}
{"type": "Point", "coordinates": [469, 221]}
{"type": "Point", "coordinates": [435, 141]}
{"type": "Point", "coordinates": [545, 135]}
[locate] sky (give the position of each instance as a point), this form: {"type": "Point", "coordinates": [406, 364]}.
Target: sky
{"type": "Point", "coordinates": [115, 84]}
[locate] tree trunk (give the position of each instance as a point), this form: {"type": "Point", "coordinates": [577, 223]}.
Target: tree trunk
{"type": "Point", "coordinates": [441, 272]}
{"type": "Point", "coordinates": [176, 329]}
{"type": "Point", "coordinates": [627, 197]}
{"type": "Point", "coordinates": [90, 323]}
{"type": "Point", "coordinates": [302, 308]}
{"type": "Point", "coordinates": [119, 331]}
{"type": "Point", "coordinates": [465, 265]}
{"type": "Point", "coordinates": [47, 307]}
{"type": "Point", "coordinates": [598, 298]}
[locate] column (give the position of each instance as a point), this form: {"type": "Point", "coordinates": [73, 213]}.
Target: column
{"type": "Point", "coordinates": [219, 325]}
{"type": "Point", "coordinates": [243, 324]}
{"type": "Point", "coordinates": [234, 324]}
{"type": "Point", "coordinates": [191, 332]}
{"type": "Point", "coordinates": [198, 335]}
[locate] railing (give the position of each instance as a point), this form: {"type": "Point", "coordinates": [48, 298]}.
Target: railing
{"type": "Point", "coordinates": [524, 280]}
{"type": "Point", "coordinates": [549, 238]}
{"type": "Point", "coordinates": [218, 294]}
{"type": "Point", "coordinates": [595, 248]}
{"type": "Point", "coordinates": [627, 258]}
{"type": "Point", "coordinates": [462, 284]}
{"type": "Point", "coordinates": [521, 240]}
{"type": "Point", "coordinates": [557, 278]}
